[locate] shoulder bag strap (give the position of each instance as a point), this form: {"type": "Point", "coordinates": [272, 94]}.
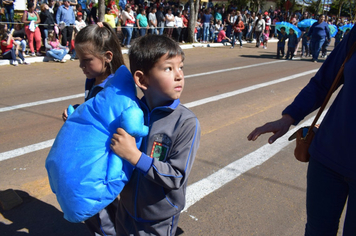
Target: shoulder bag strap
{"type": "Point", "coordinates": [332, 88]}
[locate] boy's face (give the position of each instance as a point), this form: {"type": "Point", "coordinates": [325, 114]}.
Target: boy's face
{"type": "Point", "coordinates": [165, 81]}
{"type": "Point", "coordinates": [291, 31]}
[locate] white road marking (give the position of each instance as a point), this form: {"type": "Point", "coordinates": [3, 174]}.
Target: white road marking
{"type": "Point", "coordinates": [204, 187]}
{"type": "Point", "coordinates": [31, 104]}
{"type": "Point", "coordinates": [247, 89]}
{"type": "Point", "coordinates": [82, 95]}
{"type": "Point", "coordinates": [46, 144]}
{"type": "Point", "coordinates": [24, 150]}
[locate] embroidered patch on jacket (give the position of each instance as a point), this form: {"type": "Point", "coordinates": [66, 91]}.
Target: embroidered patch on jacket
{"type": "Point", "coordinates": [160, 147]}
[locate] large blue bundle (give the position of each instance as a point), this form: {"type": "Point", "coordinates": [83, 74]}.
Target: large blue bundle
{"type": "Point", "coordinates": [84, 173]}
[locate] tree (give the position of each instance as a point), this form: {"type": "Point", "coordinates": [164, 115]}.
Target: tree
{"type": "Point", "coordinates": [194, 10]}
{"type": "Point", "coordinates": [101, 10]}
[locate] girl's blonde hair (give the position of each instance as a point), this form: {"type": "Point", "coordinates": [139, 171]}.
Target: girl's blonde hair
{"type": "Point", "coordinates": [100, 39]}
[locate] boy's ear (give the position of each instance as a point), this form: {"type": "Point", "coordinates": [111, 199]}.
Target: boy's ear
{"type": "Point", "coordinates": [140, 80]}
{"type": "Point", "coordinates": [108, 56]}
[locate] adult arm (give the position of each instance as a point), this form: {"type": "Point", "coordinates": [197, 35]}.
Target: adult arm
{"type": "Point", "coordinates": [311, 96]}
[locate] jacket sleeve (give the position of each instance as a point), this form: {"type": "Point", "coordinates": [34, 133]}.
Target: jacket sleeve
{"type": "Point", "coordinates": [313, 94]}
{"type": "Point", "coordinates": [47, 45]}
{"type": "Point", "coordinates": [174, 172]}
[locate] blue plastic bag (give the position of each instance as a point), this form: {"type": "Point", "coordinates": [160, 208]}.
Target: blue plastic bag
{"type": "Point", "coordinates": [83, 172]}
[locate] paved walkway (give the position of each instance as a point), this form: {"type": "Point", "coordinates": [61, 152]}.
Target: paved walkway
{"type": "Point", "coordinates": [124, 51]}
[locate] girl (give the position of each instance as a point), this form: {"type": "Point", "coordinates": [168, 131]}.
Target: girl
{"type": "Point", "coordinates": [54, 48]}
{"type": "Point", "coordinates": [169, 23]}
{"type": "Point", "coordinates": [128, 22]}
{"type": "Point", "coordinates": [238, 27]}
{"type": "Point", "coordinates": [99, 52]}
{"type": "Point", "coordinates": [31, 18]}
{"type": "Point", "coordinates": [9, 52]}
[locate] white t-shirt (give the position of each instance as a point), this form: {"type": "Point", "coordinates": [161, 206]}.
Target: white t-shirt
{"type": "Point", "coordinates": [178, 21]}
{"type": "Point", "coordinates": [170, 23]}
{"type": "Point", "coordinates": [152, 17]}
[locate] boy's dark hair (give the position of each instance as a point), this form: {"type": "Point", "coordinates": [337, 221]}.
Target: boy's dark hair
{"type": "Point", "coordinates": [147, 50]}
{"type": "Point", "coordinates": [100, 40]}
{"type": "Point", "coordinates": [283, 28]}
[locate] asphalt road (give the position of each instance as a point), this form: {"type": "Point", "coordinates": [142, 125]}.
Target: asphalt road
{"type": "Point", "coordinates": [236, 187]}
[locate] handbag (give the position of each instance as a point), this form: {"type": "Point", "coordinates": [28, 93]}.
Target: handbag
{"type": "Point", "coordinates": [304, 136]}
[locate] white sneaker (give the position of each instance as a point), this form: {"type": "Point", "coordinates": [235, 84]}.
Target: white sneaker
{"type": "Point", "coordinates": [15, 63]}
{"type": "Point", "coordinates": [20, 61]}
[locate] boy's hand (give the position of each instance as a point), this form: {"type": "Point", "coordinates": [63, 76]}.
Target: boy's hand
{"type": "Point", "coordinates": [124, 145]}
{"type": "Point", "coordinates": [64, 115]}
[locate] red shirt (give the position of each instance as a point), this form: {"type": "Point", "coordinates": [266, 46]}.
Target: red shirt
{"type": "Point", "coordinates": [238, 27]}
{"type": "Point", "coordinates": [6, 48]}
{"type": "Point", "coordinates": [221, 36]}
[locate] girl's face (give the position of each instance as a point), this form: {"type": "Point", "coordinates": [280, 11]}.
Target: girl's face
{"type": "Point", "coordinates": [92, 66]}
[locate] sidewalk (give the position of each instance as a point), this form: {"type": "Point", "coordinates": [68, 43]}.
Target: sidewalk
{"type": "Point", "coordinates": [125, 51]}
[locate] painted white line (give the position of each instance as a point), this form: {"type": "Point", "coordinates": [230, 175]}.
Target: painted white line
{"type": "Point", "coordinates": [247, 89]}
{"type": "Point", "coordinates": [82, 95]}
{"type": "Point", "coordinates": [24, 150]}
{"type": "Point", "coordinates": [47, 144]}
{"type": "Point", "coordinates": [232, 69]}
{"type": "Point", "coordinates": [204, 187]}
{"type": "Point", "coordinates": [41, 102]}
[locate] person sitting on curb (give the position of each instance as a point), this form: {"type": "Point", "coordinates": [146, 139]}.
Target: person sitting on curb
{"type": "Point", "coordinates": [9, 52]}
{"type": "Point", "coordinates": [222, 38]}
{"type": "Point", "coordinates": [54, 48]}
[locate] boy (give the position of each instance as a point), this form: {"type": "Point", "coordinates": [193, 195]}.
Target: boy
{"type": "Point", "coordinates": [305, 43]}
{"type": "Point", "coordinates": [292, 44]}
{"type": "Point", "coordinates": [282, 36]}
{"type": "Point", "coordinates": [151, 202]}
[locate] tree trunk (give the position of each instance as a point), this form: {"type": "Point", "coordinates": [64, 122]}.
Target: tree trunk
{"type": "Point", "coordinates": [101, 10]}
{"type": "Point", "coordinates": [341, 3]}
{"type": "Point", "coordinates": [194, 10]}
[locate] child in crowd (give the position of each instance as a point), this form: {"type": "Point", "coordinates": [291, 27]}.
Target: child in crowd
{"type": "Point", "coordinates": [292, 44]}
{"type": "Point", "coordinates": [99, 52]}
{"type": "Point", "coordinates": [9, 51]}
{"type": "Point", "coordinates": [282, 37]}
{"type": "Point", "coordinates": [79, 25]}
{"type": "Point", "coordinates": [54, 48]}
{"type": "Point", "coordinates": [338, 37]}
{"type": "Point", "coordinates": [151, 202]}
{"type": "Point", "coordinates": [222, 38]}
{"type": "Point", "coordinates": [305, 43]}
{"type": "Point", "coordinates": [19, 37]}
{"type": "Point", "coordinates": [265, 39]}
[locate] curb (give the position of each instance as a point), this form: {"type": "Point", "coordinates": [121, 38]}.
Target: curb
{"type": "Point", "coordinates": [30, 59]}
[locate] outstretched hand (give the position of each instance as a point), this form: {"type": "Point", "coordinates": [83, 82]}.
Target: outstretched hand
{"type": "Point", "coordinates": [278, 128]}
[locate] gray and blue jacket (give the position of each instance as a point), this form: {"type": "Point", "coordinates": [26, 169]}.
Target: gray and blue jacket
{"type": "Point", "coordinates": [157, 188]}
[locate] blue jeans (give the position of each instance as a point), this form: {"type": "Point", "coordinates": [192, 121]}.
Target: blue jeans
{"type": "Point", "coordinates": [161, 29]}
{"type": "Point", "coordinates": [249, 33]}
{"type": "Point", "coordinates": [206, 31]}
{"type": "Point", "coordinates": [327, 192]}
{"type": "Point", "coordinates": [22, 44]}
{"type": "Point", "coordinates": [237, 35]}
{"type": "Point", "coordinates": [143, 31]}
{"type": "Point", "coordinates": [57, 53]}
{"type": "Point", "coordinates": [11, 54]}
{"type": "Point", "coordinates": [127, 31]}
{"type": "Point", "coordinates": [316, 47]}
{"type": "Point", "coordinates": [9, 15]}
{"type": "Point", "coordinates": [152, 31]}
{"type": "Point", "coordinates": [228, 31]}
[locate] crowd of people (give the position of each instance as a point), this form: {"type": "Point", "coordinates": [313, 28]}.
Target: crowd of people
{"type": "Point", "coordinates": [215, 23]}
